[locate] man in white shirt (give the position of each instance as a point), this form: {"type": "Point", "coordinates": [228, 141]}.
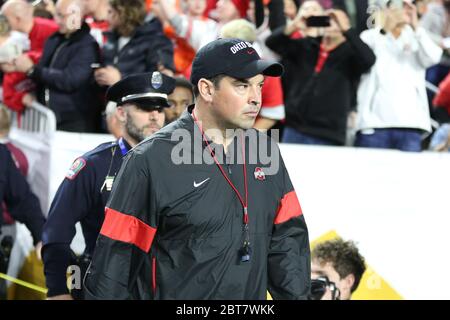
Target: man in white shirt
{"type": "Point", "coordinates": [392, 103]}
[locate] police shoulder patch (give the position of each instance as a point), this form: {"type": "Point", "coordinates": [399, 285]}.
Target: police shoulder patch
{"type": "Point", "coordinates": [75, 169]}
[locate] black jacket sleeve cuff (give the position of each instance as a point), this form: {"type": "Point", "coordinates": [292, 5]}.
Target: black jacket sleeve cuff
{"type": "Point", "coordinates": [35, 73]}
{"type": "Point", "coordinates": [56, 257]}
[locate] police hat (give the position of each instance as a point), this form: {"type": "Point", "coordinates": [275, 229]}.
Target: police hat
{"type": "Point", "coordinates": [146, 90]}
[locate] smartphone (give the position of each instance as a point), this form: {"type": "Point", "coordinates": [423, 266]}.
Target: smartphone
{"type": "Point", "coordinates": [318, 21]}
{"type": "Point", "coordinates": [96, 65]}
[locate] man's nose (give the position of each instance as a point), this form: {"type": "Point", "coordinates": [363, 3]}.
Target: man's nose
{"type": "Point", "coordinates": [153, 115]}
{"type": "Point", "coordinates": [255, 95]}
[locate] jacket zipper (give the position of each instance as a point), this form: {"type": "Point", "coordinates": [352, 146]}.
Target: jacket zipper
{"type": "Point", "coordinates": [154, 276]}
{"type": "Point", "coordinates": [52, 61]}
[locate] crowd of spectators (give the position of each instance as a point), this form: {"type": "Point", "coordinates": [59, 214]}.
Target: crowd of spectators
{"type": "Point", "coordinates": [369, 73]}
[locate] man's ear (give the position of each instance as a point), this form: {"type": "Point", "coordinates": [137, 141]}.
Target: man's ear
{"type": "Point", "coordinates": [349, 281]}
{"type": "Point", "coordinates": [206, 89]}
{"type": "Point", "coordinates": [121, 114]}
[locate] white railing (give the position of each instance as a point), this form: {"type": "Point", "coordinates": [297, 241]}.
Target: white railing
{"type": "Point", "coordinates": [36, 118]}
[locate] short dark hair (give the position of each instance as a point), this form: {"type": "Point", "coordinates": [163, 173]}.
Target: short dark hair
{"type": "Point", "coordinates": [181, 81]}
{"type": "Point", "coordinates": [344, 256]}
{"type": "Point", "coordinates": [215, 80]}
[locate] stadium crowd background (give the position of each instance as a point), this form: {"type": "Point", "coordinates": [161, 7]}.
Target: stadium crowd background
{"type": "Point", "coordinates": [376, 77]}
{"type": "Point", "coordinates": [333, 81]}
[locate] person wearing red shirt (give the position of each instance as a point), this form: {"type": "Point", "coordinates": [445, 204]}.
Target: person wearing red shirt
{"type": "Point", "coordinates": [96, 14]}
{"type": "Point", "coordinates": [16, 85]}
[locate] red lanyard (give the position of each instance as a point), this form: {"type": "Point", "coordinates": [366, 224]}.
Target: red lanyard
{"type": "Point", "coordinates": [246, 246]}
{"type": "Point", "coordinates": [323, 56]}
{"type": "Point", "coordinates": [244, 204]}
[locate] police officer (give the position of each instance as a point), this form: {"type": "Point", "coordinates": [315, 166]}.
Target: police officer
{"type": "Point", "coordinates": [82, 195]}
{"type": "Point", "coordinates": [23, 205]}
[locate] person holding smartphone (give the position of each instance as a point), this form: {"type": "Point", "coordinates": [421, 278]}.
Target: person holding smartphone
{"type": "Point", "coordinates": [327, 68]}
{"type": "Point", "coordinates": [307, 10]}
{"type": "Point", "coordinates": [393, 110]}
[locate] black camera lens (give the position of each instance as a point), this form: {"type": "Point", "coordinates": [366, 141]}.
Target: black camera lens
{"type": "Point", "coordinates": [318, 288]}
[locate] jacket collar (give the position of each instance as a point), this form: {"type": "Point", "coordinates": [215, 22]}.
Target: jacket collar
{"type": "Point", "coordinates": [77, 35]}
{"type": "Point", "coordinates": [187, 122]}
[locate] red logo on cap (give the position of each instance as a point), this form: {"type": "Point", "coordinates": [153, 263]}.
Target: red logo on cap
{"type": "Point", "coordinates": [251, 51]}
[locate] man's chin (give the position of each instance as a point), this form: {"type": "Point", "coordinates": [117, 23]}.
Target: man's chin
{"type": "Point", "coordinates": [248, 124]}
{"type": "Point", "coordinates": [151, 131]}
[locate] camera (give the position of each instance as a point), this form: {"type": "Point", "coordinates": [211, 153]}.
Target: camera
{"type": "Point", "coordinates": [319, 288]}
{"type": "Point", "coordinates": [318, 21]}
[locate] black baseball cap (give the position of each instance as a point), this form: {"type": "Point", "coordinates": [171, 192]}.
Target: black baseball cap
{"type": "Point", "coordinates": [232, 57]}
{"type": "Point", "coordinates": [145, 90]}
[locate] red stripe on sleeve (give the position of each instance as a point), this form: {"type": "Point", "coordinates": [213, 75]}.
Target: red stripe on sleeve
{"type": "Point", "coordinates": [126, 228]}
{"type": "Point", "coordinates": [289, 208]}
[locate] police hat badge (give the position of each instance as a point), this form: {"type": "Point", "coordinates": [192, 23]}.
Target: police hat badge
{"type": "Point", "coordinates": [157, 80]}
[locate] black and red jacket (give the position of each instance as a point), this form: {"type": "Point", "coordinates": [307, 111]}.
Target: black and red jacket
{"type": "Point", "coordinates": [174, 231]}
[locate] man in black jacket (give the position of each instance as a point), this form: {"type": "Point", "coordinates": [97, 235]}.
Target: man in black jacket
{"type": "Point", "coordinates": [64, 76]}
{"type": "Point", "coordinates": [323, 91]}
{"type": "Point", "coordinates": [207, 217]}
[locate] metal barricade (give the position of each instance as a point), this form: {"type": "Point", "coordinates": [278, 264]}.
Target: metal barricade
{"type": "Point", "coordinates": [36, 118]}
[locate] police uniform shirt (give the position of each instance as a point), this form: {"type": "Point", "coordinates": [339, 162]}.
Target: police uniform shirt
{"type": "Point", "coordinates": [23, 205]}
{"type": "Point", "coordinates": [81, 197]}
{"type": "Point", "coordinates": [175, 231]}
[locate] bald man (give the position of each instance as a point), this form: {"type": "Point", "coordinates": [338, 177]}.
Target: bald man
{"type": "Point", "coordinates": [68, 16]}
{"type": "Point", "coordinates": [20, 17]}
{"type": "Point", "coordinates": [64, 76]}
{"type": "Point", "coordinates": [19, 14]}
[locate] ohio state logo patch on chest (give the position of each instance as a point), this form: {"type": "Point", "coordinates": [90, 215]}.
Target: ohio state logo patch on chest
{"type": "Point", "coordinates": [259, 174]}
